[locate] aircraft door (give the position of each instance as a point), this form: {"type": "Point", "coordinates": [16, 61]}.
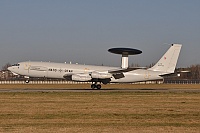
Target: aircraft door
{"type": "Point", "coordinates": [27, 67]}
{"type": "Point", "coordinates": [147, 75]}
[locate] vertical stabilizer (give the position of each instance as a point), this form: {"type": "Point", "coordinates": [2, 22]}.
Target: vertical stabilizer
{"type": "Point", "coordinates": [167, 63]}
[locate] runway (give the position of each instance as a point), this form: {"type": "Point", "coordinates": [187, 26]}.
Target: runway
{"type": "Point", "coordinates": [103, 90]}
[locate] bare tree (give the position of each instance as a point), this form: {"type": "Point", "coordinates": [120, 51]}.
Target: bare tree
{"type": "Point", "coordinates": [195, 71]}
{"type": "Point", "coordinates": [5, 67]}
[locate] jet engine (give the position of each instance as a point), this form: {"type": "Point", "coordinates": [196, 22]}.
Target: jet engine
{"type": "Point", "coordinates": [81, 77]}
{"type": "Point", "coordinates": [98, 75]}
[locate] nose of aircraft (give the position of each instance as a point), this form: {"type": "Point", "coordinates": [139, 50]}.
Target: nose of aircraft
{"type": "Point", "coordinates": [9, 68]}
{"type": "Point", "coordinates": [13, 69]}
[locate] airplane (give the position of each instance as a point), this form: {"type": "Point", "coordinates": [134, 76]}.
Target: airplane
{"type": "Point", "coordinates": [102, 74]}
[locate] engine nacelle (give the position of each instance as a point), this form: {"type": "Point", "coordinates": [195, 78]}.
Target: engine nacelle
{"type": "Point", "coordinates": [81, 77]}
{"type": "Point", "coordinates": [98, 75]}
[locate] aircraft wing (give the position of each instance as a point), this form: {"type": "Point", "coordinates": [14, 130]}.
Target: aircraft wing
{"type": "Point", "coordinates": [122, 70]}
{"type": "Point", "coordinates": [118, 73]}
{"type": "Point", "coordinates": [104, 76]}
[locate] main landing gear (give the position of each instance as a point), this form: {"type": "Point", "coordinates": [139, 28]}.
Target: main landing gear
{"type": "Point", "coordinates": [97, 86]}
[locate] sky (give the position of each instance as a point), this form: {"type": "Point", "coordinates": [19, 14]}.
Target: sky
{"type": "Point", "coordinates": [81, 31]}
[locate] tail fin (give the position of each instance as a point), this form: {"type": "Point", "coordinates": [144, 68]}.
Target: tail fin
{"type": "Point", "coordinates": [167, 63]}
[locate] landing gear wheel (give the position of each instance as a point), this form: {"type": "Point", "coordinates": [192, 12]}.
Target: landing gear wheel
{"type": "Point", "coordinates": [98, 87]}
{"type": "Point", "coordinates": [27, 81]}
{"type": "Point", "coordinates": [93, 86]}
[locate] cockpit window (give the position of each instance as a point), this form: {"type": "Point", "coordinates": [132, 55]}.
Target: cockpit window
{"type": "Point", "coordinates": [16, 65]}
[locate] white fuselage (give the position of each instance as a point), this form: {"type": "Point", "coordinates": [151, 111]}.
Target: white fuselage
{"type": "Point", "coordinates": [59, 70]}
{"type": "Point", "coordinates": [102, 74]}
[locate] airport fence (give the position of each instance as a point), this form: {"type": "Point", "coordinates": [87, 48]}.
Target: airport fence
{"type": "Point", "coordinates": [67, 82]}
{"type": "Point", "coordinates": [184, 81]}
{"type": "Point", "coordinates": [42, 82]}
{"type": "Point", "coordinates": [73, 82]}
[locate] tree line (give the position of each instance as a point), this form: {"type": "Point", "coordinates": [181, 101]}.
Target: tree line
{"type": "Point", "coordinates": [192, 72]}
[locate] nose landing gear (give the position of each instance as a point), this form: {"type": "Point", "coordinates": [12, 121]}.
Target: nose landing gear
{"type": "Point", "coordinates": [27, 81]}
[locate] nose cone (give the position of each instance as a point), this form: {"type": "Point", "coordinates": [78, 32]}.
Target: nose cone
{"type": "Point", "coordinates": [9, 68]}
{"type": "Point", "coordinates": [14, 70]}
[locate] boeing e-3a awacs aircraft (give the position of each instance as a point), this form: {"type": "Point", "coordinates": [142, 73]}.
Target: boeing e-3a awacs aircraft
{"type": "Point", "coordinates": [102, 74]}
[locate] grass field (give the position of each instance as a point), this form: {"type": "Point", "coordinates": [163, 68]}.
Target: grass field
{"type": "Point", "coordinates": [99, 111]}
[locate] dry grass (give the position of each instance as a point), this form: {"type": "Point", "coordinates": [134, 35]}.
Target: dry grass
{"type": "Point", "coordinates": [99, 112]}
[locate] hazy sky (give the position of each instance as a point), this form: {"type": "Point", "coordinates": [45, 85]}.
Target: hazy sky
{"type": "Point", "coordinates": [83, 30]}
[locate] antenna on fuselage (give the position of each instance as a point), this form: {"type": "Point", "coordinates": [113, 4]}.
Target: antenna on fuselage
{"type": "Point", "coordinates": [125, 52]}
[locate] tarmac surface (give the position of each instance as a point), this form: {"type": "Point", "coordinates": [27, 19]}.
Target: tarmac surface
{"type": "Point", "coordinates": [102, 90]}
